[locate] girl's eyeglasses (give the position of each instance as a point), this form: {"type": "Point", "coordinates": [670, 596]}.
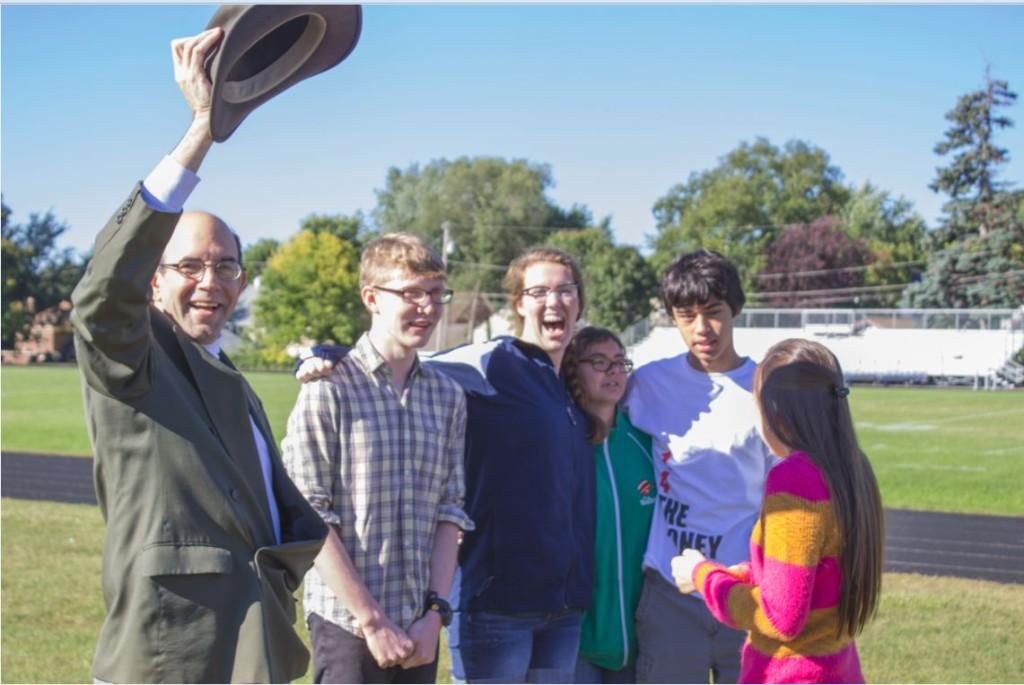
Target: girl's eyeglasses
{"type": "Point", "coordinates": [604, 364]}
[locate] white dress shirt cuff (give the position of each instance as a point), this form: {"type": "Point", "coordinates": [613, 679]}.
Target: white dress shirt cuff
{"type": "Point", "coordinates": [168, 186]}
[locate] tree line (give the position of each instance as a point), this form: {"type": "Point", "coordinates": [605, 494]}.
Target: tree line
{"type": "Point", "coordinates": [800, 235]}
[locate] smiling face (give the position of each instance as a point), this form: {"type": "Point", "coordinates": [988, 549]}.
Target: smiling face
{"type": "Point", "coordinates": [398, 324]}
{"type": "Point", "coordinates": [199, 307]}
{"type": "Point", "coordinates": [602, 389]}
{"type": "Point", "coordinates": [548, 322]}
{"type": "Point", "coordinates": [707, 331]}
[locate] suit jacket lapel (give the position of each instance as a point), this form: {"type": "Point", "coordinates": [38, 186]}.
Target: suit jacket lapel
{"type": "Point", "coordinates": [290, 503]}
{"type": "Point", "coordinates": [222, 389]}
{"type": "Point", "coordinates": [255, 408]}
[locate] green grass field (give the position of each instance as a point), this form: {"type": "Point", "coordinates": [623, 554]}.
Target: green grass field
{"type": "Point", "coordinates": [929, 630]}
{"type": "Point", "coordinates": [42, 407]}
{"type": "Point", "coordinates": [944, 449]}
{"type": "Point", "coordinates": [933, 449]}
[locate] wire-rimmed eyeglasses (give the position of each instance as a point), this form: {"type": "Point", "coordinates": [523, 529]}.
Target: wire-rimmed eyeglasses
{"type": "Point", "coordinates": [566, 291]}
{"type": "Point", "coordinates": [604, 364]}
{"type": "Point", "coordinates": [419, 296]}
{"type": "Point", "coordinates": [195, 269]}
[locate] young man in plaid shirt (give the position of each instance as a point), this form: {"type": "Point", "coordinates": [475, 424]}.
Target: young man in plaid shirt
{"type": "Point", "coordinates": [376, 446]}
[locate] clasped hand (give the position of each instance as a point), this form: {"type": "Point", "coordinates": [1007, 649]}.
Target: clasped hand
{"type": "Point", "coordinates": [389, 644]}
{"type": "Point", "coordinates": [392, 646]}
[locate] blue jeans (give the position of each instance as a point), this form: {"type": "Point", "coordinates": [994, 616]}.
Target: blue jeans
{"type": "Point", "coordinates": [490, 647]}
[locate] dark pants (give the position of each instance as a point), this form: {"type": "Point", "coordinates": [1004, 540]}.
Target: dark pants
{"type": "Point", "coordinates": [678, 639]}
{"type": "Point", "coordinates": [341, 657]}
{"type": "Point", "coordinates": [587, 672]}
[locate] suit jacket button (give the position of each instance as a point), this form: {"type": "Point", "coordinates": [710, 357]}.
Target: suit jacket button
{"type": "Point", "coordinates": [234, 493]}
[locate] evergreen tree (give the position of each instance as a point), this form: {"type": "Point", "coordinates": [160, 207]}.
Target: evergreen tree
{"type": "Point", "coordinates": [970, 179]}
{"type": "Point", "coordinates": [978, 257]}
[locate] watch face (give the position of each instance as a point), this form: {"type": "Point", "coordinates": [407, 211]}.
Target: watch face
{"type": "Point", "coordinates": [443, 609]}
{"type": "Point", "coordinates": [434, 602]}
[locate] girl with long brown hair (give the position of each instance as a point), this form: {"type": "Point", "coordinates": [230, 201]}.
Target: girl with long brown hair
{"type": "Point", "coordinates": [816, 553]}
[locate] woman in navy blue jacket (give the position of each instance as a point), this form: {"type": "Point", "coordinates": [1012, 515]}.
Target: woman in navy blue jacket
{"type": "Point", "coordinates": [526, 571]}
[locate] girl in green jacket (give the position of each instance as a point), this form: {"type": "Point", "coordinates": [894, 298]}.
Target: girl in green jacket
{"type": "Point", "coordinates": [595, 370]}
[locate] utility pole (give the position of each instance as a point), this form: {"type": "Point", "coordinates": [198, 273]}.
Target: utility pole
{"type": "Point", "coordinates": [443, 332]}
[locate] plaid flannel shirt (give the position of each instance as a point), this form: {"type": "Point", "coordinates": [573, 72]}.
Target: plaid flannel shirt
{"type": "Point", "coordinates": [382, 469]}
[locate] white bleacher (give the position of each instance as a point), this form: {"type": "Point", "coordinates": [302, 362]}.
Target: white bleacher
{"type": "Point", "coordinates": [875, 345]}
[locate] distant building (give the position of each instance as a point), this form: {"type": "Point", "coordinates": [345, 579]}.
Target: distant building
{"type": "Point", "coordinates": [464, 315]}
{"type": "Point", "coordinates": [49, 337]}
{"type": "Point", "coordinates": [241, 318]}
{"type": "Point", "coordinates": [501, 322]}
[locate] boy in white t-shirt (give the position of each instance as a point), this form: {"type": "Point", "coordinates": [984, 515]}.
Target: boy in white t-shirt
{"type": "Point", "coordinates": [711, 469]}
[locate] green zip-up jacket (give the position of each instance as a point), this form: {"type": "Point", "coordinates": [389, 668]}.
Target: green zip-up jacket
{"type": "Point", "coordinates": [626, 491]}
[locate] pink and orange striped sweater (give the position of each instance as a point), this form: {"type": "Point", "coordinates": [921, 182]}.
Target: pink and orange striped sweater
{"type": "Point", "coordinates": [788, 594]}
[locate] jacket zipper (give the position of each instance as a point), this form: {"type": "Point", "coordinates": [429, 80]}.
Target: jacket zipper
{"type": "Point", "coordinates": [618, 556]}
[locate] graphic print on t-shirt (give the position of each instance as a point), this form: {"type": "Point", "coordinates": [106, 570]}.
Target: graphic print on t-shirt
{"type": "Point", "coordinates": [674, 512]}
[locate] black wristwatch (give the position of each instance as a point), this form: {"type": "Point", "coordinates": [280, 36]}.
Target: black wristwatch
{"type": "Point", "coordinates": [436, 602]}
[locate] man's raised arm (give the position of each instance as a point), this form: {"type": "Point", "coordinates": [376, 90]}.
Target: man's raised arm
{"type": "Point", "coordinates": [111, 302]}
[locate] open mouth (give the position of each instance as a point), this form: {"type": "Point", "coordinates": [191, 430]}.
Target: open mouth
{"type": "Point", "coordinates": [553, 325]}
{"type": "Point", "coordinates": [205, 308]}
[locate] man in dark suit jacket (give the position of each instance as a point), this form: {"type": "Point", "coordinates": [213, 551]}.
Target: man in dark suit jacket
{"type": "Point", "coordinates": [207, 538]}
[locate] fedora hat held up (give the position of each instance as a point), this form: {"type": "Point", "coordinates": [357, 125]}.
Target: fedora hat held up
{"type": "Point", "coordinates": [267, 49]}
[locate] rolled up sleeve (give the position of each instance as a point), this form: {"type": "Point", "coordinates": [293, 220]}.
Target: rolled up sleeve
{"type": "Point", "coordinates": [453, 497]}
{"type": "Point", "coordinates": [310, 447]}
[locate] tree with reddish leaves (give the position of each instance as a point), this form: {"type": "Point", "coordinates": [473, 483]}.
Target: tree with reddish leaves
{"type": "Point", "coordinates": [813, 265]}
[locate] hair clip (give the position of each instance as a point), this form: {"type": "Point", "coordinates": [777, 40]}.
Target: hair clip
{"type": "Point", "coordinates": [841, 391]}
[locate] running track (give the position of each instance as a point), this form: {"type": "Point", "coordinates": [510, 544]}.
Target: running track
{"type": "Point", "coordinates": [964, 545]}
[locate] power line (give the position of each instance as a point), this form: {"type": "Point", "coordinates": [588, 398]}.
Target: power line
{"type": "Point", "coordinates": [865, 267]}
{"type": "Point", "coordinates": [550, 229]}
{"type": "Point", "coordinates": [867, 289]}
{"type": "Point", "coordinates": [496, 267]}
{"type": "Point", "coordinates": [839, 269]}
{"type": "Point", "coordinates": [805, 302]}
{"type": "Point", "coordinates": [981, 277]}
{"type": "Point", "coordinates": [749, 228]}
{"type": "Point", "coordinates": [826, 291]}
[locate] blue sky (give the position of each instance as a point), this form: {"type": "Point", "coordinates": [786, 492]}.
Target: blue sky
{"type": "Point", "coordinates": [622, 101]}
